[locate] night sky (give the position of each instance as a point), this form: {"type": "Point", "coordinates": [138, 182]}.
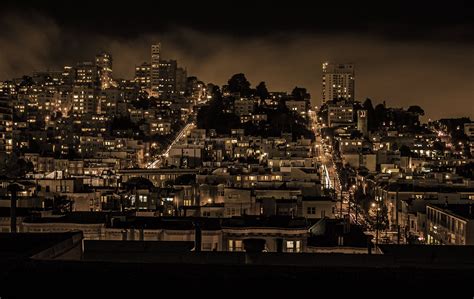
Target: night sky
{"type": "Point", "coordinates": [405, 53]}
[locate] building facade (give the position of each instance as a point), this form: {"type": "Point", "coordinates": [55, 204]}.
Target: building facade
{"type": "Point", "coordinates": [338, 82]}
{"type": "Point", "coordinates": [155, 70]}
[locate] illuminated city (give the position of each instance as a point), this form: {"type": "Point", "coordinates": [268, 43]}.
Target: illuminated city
{"type": "Point", "coordinates": [181, 154]}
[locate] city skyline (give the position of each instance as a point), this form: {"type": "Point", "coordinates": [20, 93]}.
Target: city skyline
{"type": "Point", "coordinates": [250, 146]}
{"type": "Point", "coordinates": [430, 66]}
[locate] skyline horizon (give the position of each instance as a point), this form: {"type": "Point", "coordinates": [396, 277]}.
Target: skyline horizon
{"type": "Point", "coordinates": [431, 69]}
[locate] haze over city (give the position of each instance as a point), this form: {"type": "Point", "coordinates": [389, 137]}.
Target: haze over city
{"type": "Point", "coordinates": [430, 66]}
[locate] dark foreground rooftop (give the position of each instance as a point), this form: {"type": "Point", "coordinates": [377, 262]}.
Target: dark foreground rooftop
{"type": "Point", "coordinates": [154, 268]}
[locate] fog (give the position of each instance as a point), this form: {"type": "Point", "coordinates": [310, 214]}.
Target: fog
{"type": "Point", "coordinates": [435, 75]}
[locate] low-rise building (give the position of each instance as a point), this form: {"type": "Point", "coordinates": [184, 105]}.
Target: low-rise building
{"type": "Point", "coordinates": [450, 224]}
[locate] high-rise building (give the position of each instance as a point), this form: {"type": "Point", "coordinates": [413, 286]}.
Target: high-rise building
{"type": "Point", "coordinates": [167, 86]}
{"type": "Point", "coordinates": [103, 61]}
{"type": "Point", "coordinates": [87, 74]}
{"type": "Point", "coordinates": [338, 82]}
{"type": "Point", "coordinates": [142, 76]}
{"type": "Point", "coordinates": [6, 125]}
{"type": "Point", "coordinates": [155, 70]}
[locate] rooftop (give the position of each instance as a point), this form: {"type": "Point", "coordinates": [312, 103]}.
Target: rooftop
{"type": "Point", "coordinates": [463, 210]}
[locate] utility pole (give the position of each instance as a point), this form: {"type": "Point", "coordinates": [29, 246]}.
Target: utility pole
{"type": "Point", "coordinates": [13, 188]}
{"type": "Point", "coordinates": [377, 228]}
{"type": "Point", "coordinates": [356, 208]}
{"type": "Point", "coordinates": [397, 218]}
{"type": "Point", "coordinates": [340, 210]}
{"type": "Point", "coordinates": [349, 207]}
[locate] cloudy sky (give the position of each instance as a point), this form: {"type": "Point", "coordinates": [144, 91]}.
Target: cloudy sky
{"type": "Point", "coordinates": [404, 55]}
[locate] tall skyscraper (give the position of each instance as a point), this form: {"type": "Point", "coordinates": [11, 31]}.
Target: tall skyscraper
{"type": "Point", "coordinates": [338, 82]}
{"type": "Point", "coordinates": [103, 61]}
{"type": "Point", "coordinates": [155, 70]}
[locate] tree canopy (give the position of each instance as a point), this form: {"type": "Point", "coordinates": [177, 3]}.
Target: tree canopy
{"type": "Point", "coordinates": [239, 83]}
{"type": "Point", "coordinates": [300, 93]}
{"type": "Point", "coordinates": [416, 109]}
{"type": "Point", "coordinates": [261, 91]}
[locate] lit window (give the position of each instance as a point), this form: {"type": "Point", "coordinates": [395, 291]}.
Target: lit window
{"type": "Point", "coordinates": [293, 246]}
{"type": "Point", "coordinates": [235, 245]}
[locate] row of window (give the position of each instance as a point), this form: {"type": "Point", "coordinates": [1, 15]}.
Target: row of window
{"type": "Point", "coordinates": [291, 246]}
{"type": "Point", "coordinates": [450, 223]}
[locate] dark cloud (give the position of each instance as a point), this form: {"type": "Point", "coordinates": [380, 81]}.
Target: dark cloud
{"type": "Point", "coordinates": [435, 74]}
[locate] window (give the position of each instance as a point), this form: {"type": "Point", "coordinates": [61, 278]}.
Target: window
{"type": "Point", "coordinates": [293, 246]}
{"type": "Point", "coordinates": [323, 213]}
{"type": "Point", "coordinates": [235, 245]}
{"type": "Point", "coordinates": [340, 240]}
{"type": "Point", "coordinates": [311, 211]}
{"type": "Point", "coordinates": [187, 202]}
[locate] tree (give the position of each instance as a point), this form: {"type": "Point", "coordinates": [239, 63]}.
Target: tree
{"type": "Point", "coordinates": [380, 113]}
{"type": "Point", "coordinates": [261, 91]}
{"type": "Point", "coordinates": [300, 93]}
{"type": "Point", "coordinates": [185, 179]}
{"type": "Point", "coordinates": [59, 204]}
{"type": "Point", "coordinates": [405, 151]}
{"type": "Point", "coordinates": [214, 117]}
{"type": "Point", "coordinates": [416, 110]}
{"type": "Point", "coordinates": [370, 114]}
{"type": "Point", "coordinates": [378, 217]}
{"type": "Point", "coordinates": [238, 83]}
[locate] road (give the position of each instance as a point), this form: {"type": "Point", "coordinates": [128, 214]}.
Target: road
{"type": "Point", "coordinates": [331, 180]}
{"type": "Point", "coordinates": [182, 134]}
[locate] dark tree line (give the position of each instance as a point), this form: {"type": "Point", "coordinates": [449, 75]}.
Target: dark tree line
{"type": "Point", "coordinates": [279, 119]}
